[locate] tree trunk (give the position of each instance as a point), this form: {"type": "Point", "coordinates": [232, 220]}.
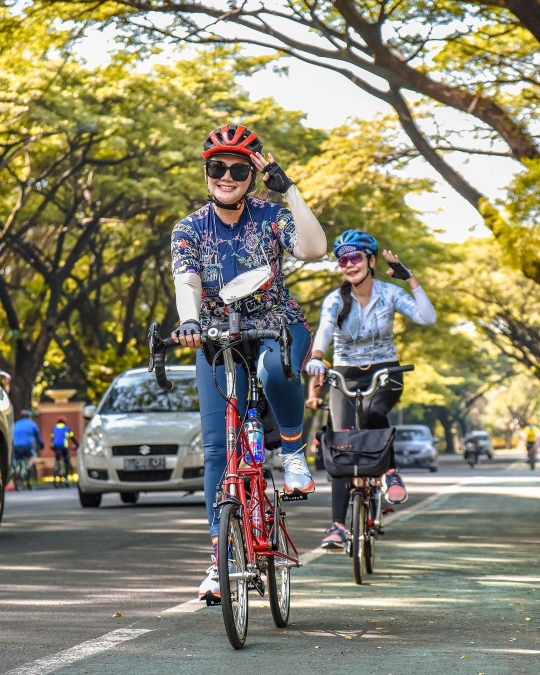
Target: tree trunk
{"type": "Point", "coordinates": [444, 418]}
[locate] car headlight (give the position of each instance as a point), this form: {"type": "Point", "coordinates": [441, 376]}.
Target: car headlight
{"type": "Point", "coordinates": [94, 444]}
{"type": "Point", "coordinates": [196, 445]}
{"type": "Point", "coordinates": [428, 450]}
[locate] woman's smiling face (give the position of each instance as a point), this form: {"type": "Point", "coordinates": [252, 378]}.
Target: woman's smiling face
{"type": "Point", "coordinates": [355, 266]}
{"type": "Point", "coordinates": [226, 189]}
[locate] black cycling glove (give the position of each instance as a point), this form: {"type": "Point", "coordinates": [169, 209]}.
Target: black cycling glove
{"type": "Point", "coordinates": [400, 271]}
{"type": "Point", "coordinates": [188, 328]}
{"type": "Point", "coordinates": [278, 180]}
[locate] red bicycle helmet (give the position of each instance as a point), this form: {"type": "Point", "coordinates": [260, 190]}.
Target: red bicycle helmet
{"type": "Point", "coordinates": [233, 140]}
{"type": "Point", "coordinates": [61, 419]}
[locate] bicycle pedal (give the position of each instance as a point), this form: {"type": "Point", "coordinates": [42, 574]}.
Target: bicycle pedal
{"type": "Point", "coordinates": [294, 497]}
{"type": "Point", "coordinates": [212, 601]}
{"type": "Point", "coordinates": [337, 551]}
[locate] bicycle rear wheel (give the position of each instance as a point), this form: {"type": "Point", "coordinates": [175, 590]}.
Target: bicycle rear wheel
{"type": "Point", "coordinates": [31, 477]}
{"type": "Point", "coordinates": [358, 532]}
{"type": "Point", "coordinates": [369, 553]}
{"type": "Point", "coordinates": [279, 582]}
{"type": "Point", "coordinates": [232, 576]}
{"type": "Point", "coordinates": [532, 457]}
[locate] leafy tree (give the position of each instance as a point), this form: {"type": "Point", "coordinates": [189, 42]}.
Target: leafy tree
{"type": "Point", "coordinates": [476, 57]}
{"type": "Point", "coordinates": [96, 166]}
{"type": "Point", "coordinates": [500, 303]}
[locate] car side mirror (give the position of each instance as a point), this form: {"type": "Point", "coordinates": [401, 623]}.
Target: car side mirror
{"type": "Point", "coordinates": [437, 439]}
{"type": "Point", "coordinates": [89, 411]}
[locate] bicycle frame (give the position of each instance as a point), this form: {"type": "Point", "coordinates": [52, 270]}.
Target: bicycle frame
{"type": "Point", "coordinates": [261, 536]}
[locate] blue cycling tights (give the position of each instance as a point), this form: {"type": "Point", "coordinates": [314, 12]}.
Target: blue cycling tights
{"type": "Point", "coordinates": [285, 398]}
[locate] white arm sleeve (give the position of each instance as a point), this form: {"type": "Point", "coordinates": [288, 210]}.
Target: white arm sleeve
{"type": "Point", "coordinates": [188, 296]}
{"type": "Point", "coordinates": [330, 310]}
{"type": "Point", "coordinates": [310, 238]}
{"type": "Point", "coordinates": [323, 337]}
{"type": "Point", "coordinates": [425, 313]}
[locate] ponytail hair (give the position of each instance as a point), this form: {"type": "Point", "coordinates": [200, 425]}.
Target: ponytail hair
{"type": "Point", "coordinates": [345, 292]}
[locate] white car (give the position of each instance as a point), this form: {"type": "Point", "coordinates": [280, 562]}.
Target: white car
{"type": "Point", "coordinates": [141, 438]}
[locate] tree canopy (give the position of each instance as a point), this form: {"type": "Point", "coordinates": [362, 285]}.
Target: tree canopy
{"type": "Point", "coordinates": [476, 57]}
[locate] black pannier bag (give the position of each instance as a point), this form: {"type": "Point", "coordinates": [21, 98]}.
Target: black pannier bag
{"type": "Point", "coordinates": [357, 452]}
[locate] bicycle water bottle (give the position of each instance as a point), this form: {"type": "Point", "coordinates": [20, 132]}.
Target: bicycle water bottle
{"type": "Point", "coordinates": [255, 435]}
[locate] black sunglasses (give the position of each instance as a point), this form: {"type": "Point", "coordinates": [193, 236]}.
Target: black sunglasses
{"type": "Point", "coordinates": [217, 169]}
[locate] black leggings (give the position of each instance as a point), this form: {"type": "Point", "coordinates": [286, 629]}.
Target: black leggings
{"type": "Point", "coordinates": [342, 416]}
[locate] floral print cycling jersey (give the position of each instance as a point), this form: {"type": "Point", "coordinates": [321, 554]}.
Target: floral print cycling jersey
{"type": "Point", "coordinates": [367, 334]}
{"type": "Point", "coordinates": [202, 244]}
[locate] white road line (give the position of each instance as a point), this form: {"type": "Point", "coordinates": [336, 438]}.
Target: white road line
{"type": "Point", "coordinates": [90, 648]}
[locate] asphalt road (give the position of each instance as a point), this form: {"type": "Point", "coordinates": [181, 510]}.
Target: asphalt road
{"type": "Point", "coordinates": [112, 590]}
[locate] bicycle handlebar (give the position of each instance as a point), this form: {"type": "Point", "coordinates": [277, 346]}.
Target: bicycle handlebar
{"type": "Point", "coordinates": [159, 346]}
{"type": "Point", "coordinates": [379, 379]}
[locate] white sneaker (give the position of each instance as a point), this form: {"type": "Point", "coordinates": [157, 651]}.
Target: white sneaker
{"type": "Point", "coordinates": [209, 588]}
{"type": "Point", "coordinates": [297, 476]}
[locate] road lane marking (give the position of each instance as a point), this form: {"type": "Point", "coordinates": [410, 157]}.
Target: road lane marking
{"type": "Point", "coordinates": [89, 648]}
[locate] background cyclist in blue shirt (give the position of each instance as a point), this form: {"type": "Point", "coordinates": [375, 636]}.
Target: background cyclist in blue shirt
{"type": "Point", "coordinates": [61, 437]}
{"type": "Point", "coordinates": [25, 437]}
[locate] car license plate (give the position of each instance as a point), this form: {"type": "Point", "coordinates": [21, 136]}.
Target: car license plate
{"type": "Point", "coordinates": [144, 463]}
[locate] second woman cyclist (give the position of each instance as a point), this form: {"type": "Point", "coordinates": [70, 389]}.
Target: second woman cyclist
{"type": "Point", "coordinates": [232, 234]}
{"type": "Point", "coordinates": [359, 318]}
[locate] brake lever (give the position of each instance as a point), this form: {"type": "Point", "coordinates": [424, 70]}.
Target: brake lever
{"type": "Point", "coordinates": [154, 342]}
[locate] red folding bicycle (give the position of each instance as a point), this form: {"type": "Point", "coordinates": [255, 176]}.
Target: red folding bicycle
{"type": "Point", "coordinates": [255, 549]}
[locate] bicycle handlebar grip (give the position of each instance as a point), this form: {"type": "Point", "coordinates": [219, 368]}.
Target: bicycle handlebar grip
{"type": "Point", "coordinates": [261, 334]}
{"type": "Point", "coordinates": [400, 369]}
{"type": "Point", "coordinates": [161, 377]}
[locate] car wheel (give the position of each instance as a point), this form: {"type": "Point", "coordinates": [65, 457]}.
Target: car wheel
{"type": "Point", "coordinates": [2, 491]}
{"type": "Point", "coordinates": [434, 468]}
{"type": "Point", "coordinates": [129, 497]}
{"type": "Point", "coordinates": [89, 500]}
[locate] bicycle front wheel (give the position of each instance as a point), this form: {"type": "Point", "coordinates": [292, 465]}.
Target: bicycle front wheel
{"type": "Point", "coordinates": [358, 533]}
{"type": "Point", "coordinates": [279, 582]}
{"type": "Point", "coordinates": [233, 580]}
{"type": "Point", "coordinates": [369, 553]}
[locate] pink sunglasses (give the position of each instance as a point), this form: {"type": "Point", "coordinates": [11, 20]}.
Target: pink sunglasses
{"type": "Point", "coordinates": [354, 258]}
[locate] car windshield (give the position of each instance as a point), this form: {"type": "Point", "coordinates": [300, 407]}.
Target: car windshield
{"type": "Point", "coordinates": [141, 394]}
{"type": "Point", "coordinates": [412, 435]}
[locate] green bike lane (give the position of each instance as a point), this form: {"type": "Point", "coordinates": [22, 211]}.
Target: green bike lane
{"type": "Point", "coordinates": [455, 590]}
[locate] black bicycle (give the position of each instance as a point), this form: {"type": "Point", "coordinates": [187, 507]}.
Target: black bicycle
{"type": "Point", "coordinates": [60, 471]}
{"type": "Point", "coordinates": [364, 456]}
{"type": "Point", "coordinates": [531, 454]}
{"type": "Point", "coordinates": [24, 474]}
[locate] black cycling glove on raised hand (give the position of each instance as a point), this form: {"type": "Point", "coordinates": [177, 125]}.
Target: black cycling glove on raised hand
{"type": "Point", "coordinates": [188, 328]}
{"type": "Point", "coordinates": [400, 271]}
{"type": "Point", "coordinates": [278, 180]}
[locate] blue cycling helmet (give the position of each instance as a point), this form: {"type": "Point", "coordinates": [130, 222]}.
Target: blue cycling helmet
{"type": "Point", "coordinates": [355, 240]}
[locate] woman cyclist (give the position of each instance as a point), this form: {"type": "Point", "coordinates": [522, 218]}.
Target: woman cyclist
{"type": "Point", "coordinates": [359, 318]}
{"type": "Point", "coordinates": [231, 234]}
